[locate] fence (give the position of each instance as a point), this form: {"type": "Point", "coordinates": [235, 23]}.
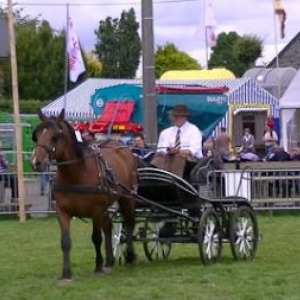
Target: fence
{"type": "Point", "coordinates": [268, 186]}
{"type": "Point", "coordinates": [37, 193]}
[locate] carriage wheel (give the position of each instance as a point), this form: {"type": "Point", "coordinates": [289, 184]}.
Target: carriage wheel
{"type": "Point", "coordinates": [243, 235]}
{"type": "Point", "coordinates": [117, 241]}
{"type": "Point", "coordinates": [153, 248]}
{"type": "Point", "coordinates": [209, 237]}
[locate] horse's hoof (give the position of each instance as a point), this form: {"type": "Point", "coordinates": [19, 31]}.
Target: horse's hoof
{"type": "Point", "coordinates": [99, 273]}
{"type": "Point", "coordinates": [64, 281]}
{"type": "Point", "coordinates": [132, 263]}
{"type": "Point", "coordinates": [131, 260]}
{"type": "Point", "coordinates": [107, 270]}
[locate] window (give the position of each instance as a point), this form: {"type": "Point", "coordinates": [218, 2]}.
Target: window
{"type": "Point", "coordinates": [248, 121]}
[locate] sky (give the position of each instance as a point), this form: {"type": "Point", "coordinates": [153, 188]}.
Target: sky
{"type": "Point", "coordinates": [177, 21]}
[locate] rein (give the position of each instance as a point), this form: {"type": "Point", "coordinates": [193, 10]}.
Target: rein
{"type": "Point", "coordinates": [73, 161]}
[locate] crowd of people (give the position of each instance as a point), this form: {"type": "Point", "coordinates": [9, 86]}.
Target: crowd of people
{"type": "Point", "coordinates": [181, 146]}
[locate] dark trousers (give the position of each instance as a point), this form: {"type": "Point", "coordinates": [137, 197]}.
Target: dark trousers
{"type": "Point", "coordinates": [10, 181]}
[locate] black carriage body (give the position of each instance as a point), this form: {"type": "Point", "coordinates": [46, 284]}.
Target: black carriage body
{"type": "Point", "coordinates": [190, 215]}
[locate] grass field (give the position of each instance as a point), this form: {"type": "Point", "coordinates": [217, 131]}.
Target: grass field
{"type": "Point", "coordinates": [30, 264]}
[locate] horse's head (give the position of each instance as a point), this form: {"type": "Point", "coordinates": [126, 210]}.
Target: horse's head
{"type": "Point", "coordinates": [47, 136]}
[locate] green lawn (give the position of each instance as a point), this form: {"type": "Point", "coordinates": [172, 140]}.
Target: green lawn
{"type": "Point", "coordinates": [30, 264]}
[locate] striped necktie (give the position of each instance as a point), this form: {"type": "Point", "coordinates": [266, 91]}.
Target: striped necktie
{"type": "Point", "coordinates": [177, 139]}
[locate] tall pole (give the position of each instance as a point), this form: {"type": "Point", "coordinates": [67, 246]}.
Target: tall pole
{"type": "Point", "coordinates": [66, 58]}
{"type": "Point", "coordinates": [276, 39]}
{"type": "Point", "coordinates": [149, 99]}
{"type": "Point", "coordinates": [206, 47]}
{"type": "Point", "coordinates": [15, 94]}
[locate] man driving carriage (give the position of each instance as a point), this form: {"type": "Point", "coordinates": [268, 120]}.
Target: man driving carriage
{"type": "Point", "coordinates": [179, 143]}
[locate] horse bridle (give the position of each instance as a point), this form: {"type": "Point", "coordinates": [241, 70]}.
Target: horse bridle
{"type": "Point", "coordinates": [50, 149]}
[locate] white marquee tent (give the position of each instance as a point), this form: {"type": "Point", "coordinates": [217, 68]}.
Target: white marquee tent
{"type": "Point", "coordinates": [290, 114]}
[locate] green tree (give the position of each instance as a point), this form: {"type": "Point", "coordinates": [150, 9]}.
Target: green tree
{"type": "Point", "coordinates": [235, 53]}
{"type": "Point", "coordinates": [118, 45]}
{"type": "Point", "coordinates": [168, 57]}
{"type": "Point", "coordinates": [40, 59]}
{"type": "Point", "coordinates": [93, 65]}
{"type": "Point", "coordinates": [40, 55]}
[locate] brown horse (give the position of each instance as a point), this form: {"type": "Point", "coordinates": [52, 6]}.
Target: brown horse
{"type": "Point", "coordinates": [89, 179]}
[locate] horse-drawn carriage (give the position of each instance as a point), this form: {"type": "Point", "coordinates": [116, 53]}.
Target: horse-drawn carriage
{"type": "Point", "coordinates": [90, 178]}
{"type": "Point", "coordinates": [172, 210]}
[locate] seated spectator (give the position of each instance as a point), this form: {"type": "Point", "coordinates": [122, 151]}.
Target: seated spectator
{"type": "Point", "coordinates": [140, 148]}
{"type": "Point", "coordinates": [278, 154]}
{"type": "Point", "coordinates": [247, 147]}
{"type": "Point", "coordinates": [208, 145]}
{"type": "Point", "coordinates": [270, 139]}
{"type": "Point", "coordinates": [247, 141]}
{"type": "Point", "coordinates": [295, 154]}
{"type": "Point", "coordinates": [222, 143]}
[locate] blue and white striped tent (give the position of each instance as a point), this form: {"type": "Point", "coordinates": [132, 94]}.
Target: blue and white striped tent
{"type": "Point", "coordinates": [243, 93]}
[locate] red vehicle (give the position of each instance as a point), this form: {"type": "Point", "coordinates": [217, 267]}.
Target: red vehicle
{"type": "Point", "coordinates": [114, 119]}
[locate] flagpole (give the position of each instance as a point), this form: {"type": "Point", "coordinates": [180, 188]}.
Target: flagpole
{"type": "Point", "coordinates": [276, 39]}
{"type": "Point", "coordinates": [66, 58]}
{"type": "Point", "coordinates": [206, 47]}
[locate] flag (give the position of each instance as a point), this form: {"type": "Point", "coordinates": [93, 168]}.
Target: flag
{"type": "Point", "coordinates": [75, 61]}
{"type": "Point", "coordinates": [210, 24]}
{"type": "Point", "coordinates": [280, 12]}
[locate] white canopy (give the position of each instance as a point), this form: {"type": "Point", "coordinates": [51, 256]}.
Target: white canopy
{"type": "Point", "coordinates": [289, 103]}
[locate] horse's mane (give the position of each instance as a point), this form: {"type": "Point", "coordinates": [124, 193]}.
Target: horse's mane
{"type": "Point", "coordinates": [79, 147]}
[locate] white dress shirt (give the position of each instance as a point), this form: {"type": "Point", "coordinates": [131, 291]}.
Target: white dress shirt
{"type": "Point", "coordinates": [190, 139]}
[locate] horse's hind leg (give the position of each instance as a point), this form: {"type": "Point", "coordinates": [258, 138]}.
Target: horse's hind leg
{"type": "Point", "coordinates": [64, 221]}
{"type": "Point", "coordinates": [127, 208]}
{"type": "Point", "coordinates": [105, 223]}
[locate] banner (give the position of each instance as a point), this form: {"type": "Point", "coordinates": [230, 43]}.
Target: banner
{"type": "Point", "coordinates": [280, 12]}
{"type": "Point", "coordinates": [75, 60]}
{"type": "Point", "coordinates": [210, 24]}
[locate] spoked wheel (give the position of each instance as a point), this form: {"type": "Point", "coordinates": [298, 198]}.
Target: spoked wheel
{"type": "Point", "coordinates": [153, 248]}
{"type": "Point", "coordinates": [243, 235]}
{"type": "Point", "coordinates": [117, 241]}
{"type": "Point", "coordinates": [209, 237]}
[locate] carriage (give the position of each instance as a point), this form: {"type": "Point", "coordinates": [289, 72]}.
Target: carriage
{"type": "Point", "coordinates": [173, 210]}
{"type": "Point", "coordinates": [90, 178]}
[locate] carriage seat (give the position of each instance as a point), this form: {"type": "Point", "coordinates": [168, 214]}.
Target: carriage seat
{"type": "Point", "coordinates": [200, 172]}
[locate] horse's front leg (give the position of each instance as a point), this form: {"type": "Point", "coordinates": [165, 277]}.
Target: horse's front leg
{"type": "Point", "coordinates": [97, 241]}
{"type": "Point", "coordinates": [64, 221]}
{"type": "Point", "coordinates": [109, 257]}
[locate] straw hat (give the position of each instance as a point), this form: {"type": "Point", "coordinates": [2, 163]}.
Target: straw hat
{"type": "Point", "coordinates": [179, 110]}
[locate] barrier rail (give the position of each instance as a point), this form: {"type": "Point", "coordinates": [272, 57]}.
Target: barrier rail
{"type": "Point", "coordinates": [270, 188]}
{"type": "Point", "coordinates": [266, 189]}
{"type": "Point", "coordinates": [38, 199]}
